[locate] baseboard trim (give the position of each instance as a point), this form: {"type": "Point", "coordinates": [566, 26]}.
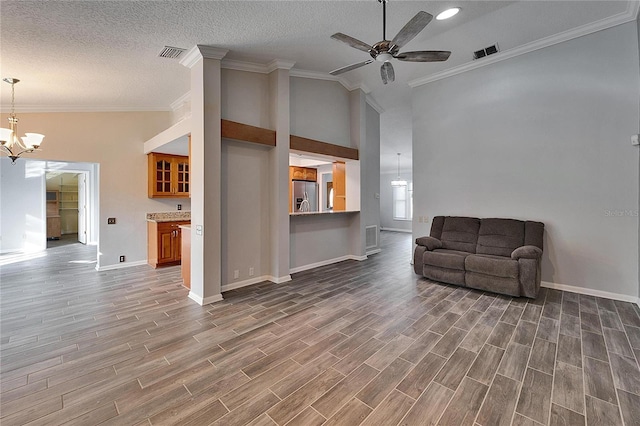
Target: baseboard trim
{"type": "Point", "coordinates": [591, 292]}
{"type": "Point", "coordinates": [327, 262]}
{"type": "Point", "coordinates": [406, 231]}
{"type": "Point", "coordinates": [278, 280]}
{"type": "Point", "coordinates": [120, 265]}
{"type": "Point", "coordinates": [240, 284]}
{"type": "Point", "coordinates": [374, 251]}
{"type": "Point", "coordinates": [204, 301]}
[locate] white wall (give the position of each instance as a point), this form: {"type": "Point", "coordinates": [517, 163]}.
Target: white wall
{"type": "Point", "coordinates": [320, 110]}
{"type": "Point", "coordinates": [115, 141]}
{"type": "Point", "coordinates": [386, 202]}
{"type": "Point", "coordinates": [22, 207]}
{"type": "Point", "coordinates": [543, 136]}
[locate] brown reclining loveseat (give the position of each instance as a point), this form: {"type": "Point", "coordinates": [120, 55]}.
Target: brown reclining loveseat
{"type": "Point", "coordinates": [498, 255]}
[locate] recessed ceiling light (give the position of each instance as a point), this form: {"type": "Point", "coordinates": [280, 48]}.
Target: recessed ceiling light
{"type": "Point", "coordinates": [448, 13]}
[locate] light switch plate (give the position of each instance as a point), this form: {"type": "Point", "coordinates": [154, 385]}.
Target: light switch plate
{"type": "Point", "coordinates": [634, 140]}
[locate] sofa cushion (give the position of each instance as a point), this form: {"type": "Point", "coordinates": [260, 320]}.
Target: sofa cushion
{"type": "Point", "coordinates": [497, 266]}
{"type": "Point", "coordinates": [460, 233]}
{"type": "Point", "coordinates": [500, 236]}
{"type": "Point", "coordinates": [442, 258]}
{"type": "Point", "coordinates": [446, 275]}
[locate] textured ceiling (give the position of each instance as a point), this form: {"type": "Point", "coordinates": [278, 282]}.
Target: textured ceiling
{"type": "Point", "coordinates": [102, 55]}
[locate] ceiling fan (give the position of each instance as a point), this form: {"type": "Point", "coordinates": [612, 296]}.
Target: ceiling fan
{"type": "Point", "coordinates": [385, 50]}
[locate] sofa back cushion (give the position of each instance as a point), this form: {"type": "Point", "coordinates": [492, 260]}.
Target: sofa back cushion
{"type": "Point", "coordinates": [500, 236]}
{"type": "Point", "coordinates": [456, 233]}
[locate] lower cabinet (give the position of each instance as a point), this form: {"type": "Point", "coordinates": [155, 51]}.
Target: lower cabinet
{"type": "Point", "coordinates": [163, 243]}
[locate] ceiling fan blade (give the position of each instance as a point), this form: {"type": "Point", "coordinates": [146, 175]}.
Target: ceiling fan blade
{"type": "Point", "coordinates": [387, 73]}
{"type": "Point", "coordinates": [423, 56]}
{"type": "Point", "coordinates": [411, 29]}
{"type": "Point", "coordinates": [360, 45]}
{"type": "Point", "coordinates": [350, 67]}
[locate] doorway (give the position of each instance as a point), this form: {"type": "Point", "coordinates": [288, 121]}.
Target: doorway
{"type": "Point", "coordinates": [66, 199]}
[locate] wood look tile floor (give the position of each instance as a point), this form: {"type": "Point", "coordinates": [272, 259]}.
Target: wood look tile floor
{"type": "Point", "coordinates": [353, 343]}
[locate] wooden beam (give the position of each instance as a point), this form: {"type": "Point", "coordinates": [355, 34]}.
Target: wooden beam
{"type": "Point", "coordinates": [244, 132]}
{"type": "Point", "coordinates": [309, 145]}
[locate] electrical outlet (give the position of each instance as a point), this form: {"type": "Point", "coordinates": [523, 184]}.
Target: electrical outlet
{"type": "Point", "coordinates": [111, 221]}
{"type": "Point", "coordinates": [121, 258]}
{"type": "Point", "coordinates": [236, 274]}
{"type": "Point", "coordinates": [251, 271]}
{"type": "Point", "coordinates": [179, 206]}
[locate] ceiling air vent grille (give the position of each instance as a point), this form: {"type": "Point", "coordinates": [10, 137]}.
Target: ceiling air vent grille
{"type": "Point", "coordinates": [171, 52]}
{"type": "Point", "coordinates": [486, 51]}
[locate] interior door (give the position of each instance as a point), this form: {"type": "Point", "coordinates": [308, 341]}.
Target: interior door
{"type": "Point", "coordinates": [82, 208]}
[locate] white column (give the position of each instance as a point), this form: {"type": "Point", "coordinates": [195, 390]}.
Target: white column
{"type": "Point", "coordinates": [205, 173]}
{"type": "Point", "coordinates": [279, 166]}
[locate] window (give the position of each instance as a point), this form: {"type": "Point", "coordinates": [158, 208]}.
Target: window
{"type": "Point", "coordinates": [403, 202]}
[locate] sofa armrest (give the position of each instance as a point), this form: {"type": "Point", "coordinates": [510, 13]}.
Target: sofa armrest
{"type": "Point", "coordinates": [429, 242]}
{"type": "Point", "coordinates": [526, 252]}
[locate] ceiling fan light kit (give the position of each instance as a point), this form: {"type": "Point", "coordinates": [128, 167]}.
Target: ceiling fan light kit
{"type": "Point", "coordinates": [384, 51]}
{"type": "Point", "coordinates": [449, 13]}
{"type": "Point", "coordinates": [10, 143]}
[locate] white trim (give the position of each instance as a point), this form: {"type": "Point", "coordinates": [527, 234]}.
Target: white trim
{"type": "Point", "coordinates": [207, 300]}
{"type": "Point", "coordinates": [373, 104]}
{"type": "Point", "coordinates": [232, 64]}
{"type": "Point", "coordinates": [82, 108]}
{"type": "Point", "coordinates": [279, 280]}
{"type": "Point", "coordinates": [178, 130]}
{"type": "Point", "coordinates": [120, 265]}
{"type": "Point", "coordinates": [375, 251]}
{"type": "Point", "coordinates": [240, 284]}
{"type": "Point", "coordinates": [180, 101]}
{"type": "Point", "coordinates": [612, 21]}
{"type": "Point", "coordinates": [408, 231]}
{"type": "Point", "coordinates": [201, 51]}
{"type": "Point", "coordinates": [591, 292]}
{"type": "Point", "coordinates": [279, 64]}
{"type": "Point", "coordinates": [327, 262]}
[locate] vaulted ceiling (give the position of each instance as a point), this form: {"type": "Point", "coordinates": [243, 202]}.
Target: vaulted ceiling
{"type": "Point", "coordinates": [103, 55]}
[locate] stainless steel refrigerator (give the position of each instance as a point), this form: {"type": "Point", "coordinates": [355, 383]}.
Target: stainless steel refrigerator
{"type": "Point", "coordinates": [305, 196]}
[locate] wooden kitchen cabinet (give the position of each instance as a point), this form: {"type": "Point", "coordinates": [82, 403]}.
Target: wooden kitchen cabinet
{"type": "Point", "coordinates": [339, 186]}
{"type": "Point", "coordinates": [168, 176]}
{"type": "Point", "coordinates": [303, 173]}
{"type": "Point", "coordinates": [164, 243]}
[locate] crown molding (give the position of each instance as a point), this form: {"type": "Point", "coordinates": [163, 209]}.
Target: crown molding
{"type": "Point", "coordinates": [373, 104]}
{"type": "Point", "coordinates": [200, 51]}
{"type": "Point", "coordinates": [83, 108]}
{"type": "Point", "coordinates": [629, 15]}
{"type": "Point", "coordinates": [175, 105]}
{"type": "Point", "coordinates": [279, 64]}
{"type": "Point", "coordinates": [232, 64]}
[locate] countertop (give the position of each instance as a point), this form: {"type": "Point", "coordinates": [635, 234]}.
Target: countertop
{"type": "Point", "coordinates": [168, 216]}
{"type": "Point", "coordinates": [322, 213]}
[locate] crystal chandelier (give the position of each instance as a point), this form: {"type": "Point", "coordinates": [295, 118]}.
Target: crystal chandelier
{"type": "Point", "coordinates": [13, 146]}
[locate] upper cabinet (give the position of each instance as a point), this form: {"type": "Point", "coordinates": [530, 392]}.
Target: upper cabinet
{"type": "Point", "coordinates": [168, 176]}
{"type": "Point", "coordinates": [303, 173]}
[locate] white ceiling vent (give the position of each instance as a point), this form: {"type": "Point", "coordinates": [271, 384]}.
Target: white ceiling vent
{"type": "Point", "coordinates": [171, 52]}
{"type": "Point", "coordinates": [486, 51]}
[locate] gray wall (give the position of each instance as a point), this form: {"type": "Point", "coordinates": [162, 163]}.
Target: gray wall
{"type": "Point", "coordinates": [386, 203]}
{"type": "Point", "coordinates": [320, 110]}
{"type": "Point", "coordinates": [543, 136]}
